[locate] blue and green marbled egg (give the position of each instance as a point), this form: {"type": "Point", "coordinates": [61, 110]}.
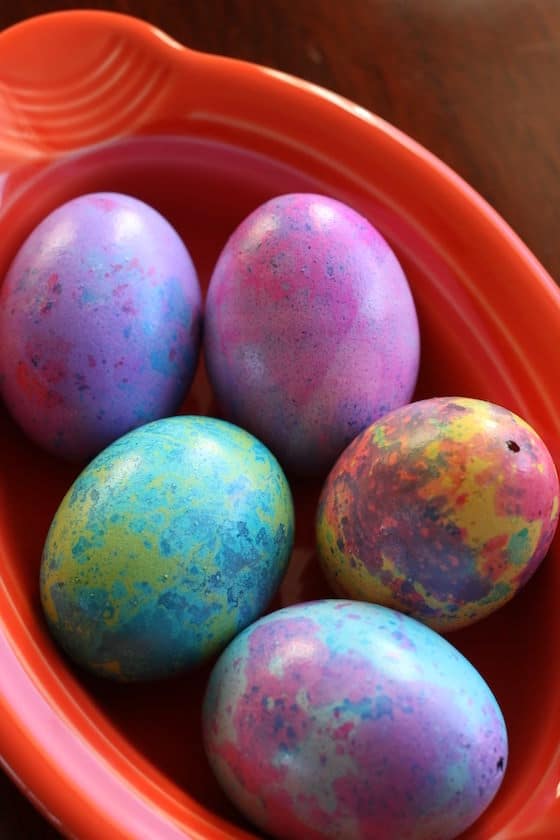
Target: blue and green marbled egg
{"type": "Point", "coordinates": [169, 543]}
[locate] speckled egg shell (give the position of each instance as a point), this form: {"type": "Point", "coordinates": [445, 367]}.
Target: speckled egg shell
{"type": "Point", "coordinates": [169, 543]}
{"type": "Point", "coordinates": [442, 509]}
{"type": "Point", "coordinates": [349, 720]}
{"type": "Point", "coordinates": [311, 332]}
{"type": "Point", "coordinates": [99, 324]}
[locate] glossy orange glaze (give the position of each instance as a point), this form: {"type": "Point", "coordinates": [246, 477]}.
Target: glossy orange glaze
{"type": "Point", "coordinates": [95, 101]}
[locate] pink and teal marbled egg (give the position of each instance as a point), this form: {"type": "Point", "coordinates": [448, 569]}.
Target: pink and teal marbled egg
{"type": "Point", "coordinates": [100, 318]}
{"type": "Point", "coordinates": [336, 719]}
{"type": "Point", "coordinates": [311, 332]}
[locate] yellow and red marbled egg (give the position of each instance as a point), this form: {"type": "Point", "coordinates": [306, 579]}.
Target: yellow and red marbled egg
{"type": "Point", "coordinates": [442, 509]}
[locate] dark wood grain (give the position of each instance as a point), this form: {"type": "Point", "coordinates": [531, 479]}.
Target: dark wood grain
{"type": "Point", "coordinates": [476, 82]}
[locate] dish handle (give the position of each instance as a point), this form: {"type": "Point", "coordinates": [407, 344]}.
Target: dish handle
{"type": "Point", "coordinates": [70, 80]}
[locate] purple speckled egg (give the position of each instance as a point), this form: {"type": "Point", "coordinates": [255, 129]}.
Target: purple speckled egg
{"type": "Point", "coordinates": [100, 318]}
{"type": "Point", "coordinates": [338, 719]}
{"type": "Point", "coordinates": [311, 331]}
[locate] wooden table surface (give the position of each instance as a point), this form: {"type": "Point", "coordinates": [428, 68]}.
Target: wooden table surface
{"type": "Point", "coordinates": [476, 81]}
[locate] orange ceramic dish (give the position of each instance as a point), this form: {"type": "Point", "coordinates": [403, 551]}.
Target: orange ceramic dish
{"type": "Point", "coordinates": [92, 100]}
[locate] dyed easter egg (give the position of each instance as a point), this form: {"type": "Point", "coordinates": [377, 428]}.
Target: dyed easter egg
{"type": "Point", "coordinates": [99, 324]}
{"type": "Point", "coordinates": [169, 543]}
{"type": "Point", "coordinates": [350, 720]}
{"type": "Point", "coordinates": [442, 509]}
{"type": "Point", "coordinates": [311, 332]}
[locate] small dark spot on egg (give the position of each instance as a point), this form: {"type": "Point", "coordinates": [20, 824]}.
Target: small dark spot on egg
{"type": "Point", "coordinates": [500, 764]}
{"type": "Point", "coordinates": [512, 446]}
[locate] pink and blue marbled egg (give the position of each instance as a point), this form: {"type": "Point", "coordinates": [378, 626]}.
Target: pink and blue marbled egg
{"type": "Point", "coordinates": [99, 324]}
{"type": "Point", "coordinates": [338, 719]}
{"type": "Point", "coordinates": [311, 331]}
